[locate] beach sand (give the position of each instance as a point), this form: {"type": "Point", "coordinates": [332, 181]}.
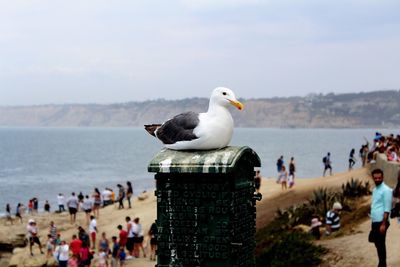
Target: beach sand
{"type": "Point", "coordinates": [351, 250]}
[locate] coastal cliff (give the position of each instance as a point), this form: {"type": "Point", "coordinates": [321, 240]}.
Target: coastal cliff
{"type": "Point", "coordinates": [380, 109]}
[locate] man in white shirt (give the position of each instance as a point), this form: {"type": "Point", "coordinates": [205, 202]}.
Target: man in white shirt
{"type": "Point", "coordinates": [87, 207]}
{"type": "Point", "coordinates": [72, 204]}
{"type": "Point", "coordinates": [93, 230]}
{"type": "Point", "coordinates": [60, 202]}
{"type": "Point", "coordinates": [106, 195]}
{"type": "Point", "coordinates": [33, 235]}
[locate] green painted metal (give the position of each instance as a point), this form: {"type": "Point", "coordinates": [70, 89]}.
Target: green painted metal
{"type": "Point", "coordinates": [211, 161]}
{"type": "Point", "coordinates": [205, 207]}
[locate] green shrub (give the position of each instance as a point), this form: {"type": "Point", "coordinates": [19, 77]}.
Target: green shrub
{"type": "Point", "coordinates": [290, 249]}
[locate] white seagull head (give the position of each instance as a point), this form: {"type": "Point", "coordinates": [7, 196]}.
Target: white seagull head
{"type": "Point", "coordinates": [223, 96]}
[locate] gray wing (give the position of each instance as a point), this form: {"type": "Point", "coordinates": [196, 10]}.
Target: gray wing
{"type": "Point", "coordinates": [179, 128]}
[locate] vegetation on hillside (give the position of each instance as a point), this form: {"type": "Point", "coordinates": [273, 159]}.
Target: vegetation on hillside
{"type": "Point", "coordinates": [283, 243]}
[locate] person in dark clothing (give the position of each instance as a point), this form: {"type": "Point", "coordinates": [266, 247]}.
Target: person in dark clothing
{"type": "Point", "coordinates": [352, 159]}
{"type": "Point", "coordinates": [279, 164]}
{"type": "Point", "coordinates": [327, 163]}
{"type": "Point", "coordinates": [129, 193]}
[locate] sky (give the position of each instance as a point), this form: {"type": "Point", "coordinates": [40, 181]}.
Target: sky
{"type": "Point", "coordinates": [97, 51]}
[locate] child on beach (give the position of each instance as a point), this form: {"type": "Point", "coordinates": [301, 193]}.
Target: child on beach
{"type": "Point", "coordinates": [121, 257]}
{"type": "Point", "coordinates": [73, 261]}
{"type": "Point", "coordinates": [103, 258]}
{"type": "Point", "coordinates": [49, 246]}
{"type": "Point", "coordinates": [283, 175]}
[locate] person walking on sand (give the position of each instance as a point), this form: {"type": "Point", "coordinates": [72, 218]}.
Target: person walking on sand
{"type": "Point", "coordinates": [33, 235]}
{"type": "Point", "coordinates": [93, 230]}
{"type": "Point", "coordinates": [72, 204]}
{"type": "Point", "coordinates": [352, 159]}
{"type": "Point", "coordinates": [153, 232]}
{"type": "Point", "coordinates": [381, 205]}
{"type": "Point", "coordinates": [87, 207]}
{"type": "Point", "coordinates": [327, 163]}
{"type": "Point", "coordinates": [292, 171]}
{"type": "Point", "coordinates": [283, 175]}
{"type": "Point", "coordinates": [19, 211]}
{"type": "Point", "coordinates": [129, 193]}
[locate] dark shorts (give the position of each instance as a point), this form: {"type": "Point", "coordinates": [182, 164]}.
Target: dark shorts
{"type": "Point", "coordinates": [129, 244]}
{"type": "Point", "coordinates": [138, 239]}
{"type": "Point", "coordinates": [153, 241]}
{"type": "Point", "coordinates": [34, 239]}
{"type": "Point", "coordinates": [72, 210]}
{"type": "Point", "coordinates": [328, 167]}
{"type": "Point", "coordinates": [88, 211]}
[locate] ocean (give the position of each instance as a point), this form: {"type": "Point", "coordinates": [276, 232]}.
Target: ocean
{"type": "Point", "coordinates": [42, 162]}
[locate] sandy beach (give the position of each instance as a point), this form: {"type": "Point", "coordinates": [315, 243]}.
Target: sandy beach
{"type": "Point", "coordinates": [350, 250]}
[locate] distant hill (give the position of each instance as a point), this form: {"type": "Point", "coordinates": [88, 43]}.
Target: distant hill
{"type": "Point", "coordinates": [355, 110]}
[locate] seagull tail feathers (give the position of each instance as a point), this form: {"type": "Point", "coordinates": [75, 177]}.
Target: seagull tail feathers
{"type": "Point", "coordinates": [151, 128]}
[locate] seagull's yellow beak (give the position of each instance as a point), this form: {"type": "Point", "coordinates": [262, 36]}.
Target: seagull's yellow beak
{"type": "Point", "coordinates": [237, 104]}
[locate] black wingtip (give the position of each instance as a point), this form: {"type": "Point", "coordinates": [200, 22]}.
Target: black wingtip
{"type": "Point", "coordinates": [151, 128]}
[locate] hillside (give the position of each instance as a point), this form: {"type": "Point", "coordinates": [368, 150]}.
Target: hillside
{"type": "Point", "coordinates": [355, 110]}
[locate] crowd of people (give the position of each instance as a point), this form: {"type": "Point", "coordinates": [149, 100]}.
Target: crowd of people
{"type": "Point", "coordinates": [127, 243]}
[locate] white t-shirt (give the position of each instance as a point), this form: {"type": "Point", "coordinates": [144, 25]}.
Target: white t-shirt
{"type": "Point", "coordinates": [92, 226]}
{"type": "Point", "coordinates": [130, 233]}
{"type": "Point", "coordinates": [60, 200]}
{"type": "Point", "coordinates": [73, 202]}
{"type": "Point", "coordinates": [32, 230]}
{"type": "Point", "coordinates": [102, 257]}
{"type": "Point", "coordinates": [106, 194]}
{"type": "Point", "coordinates": [63, 252]}
{"type": "Point", "coordinates": [135, 229]}
{"type": "Point", "coordinates": [87, 204]}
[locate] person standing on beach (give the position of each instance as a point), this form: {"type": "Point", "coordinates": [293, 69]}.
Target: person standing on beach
{"type": "Point", "coordinates": [352, 159]}
{"type": "Point", "coordinates": [97, 202]}
{"type": "Point", "coordinates": [279, 164]}
{"type": "Point", "coordinates": [53, 232]}
{"type": "Point", "coordinates": [283, 175]}
{"type": "Point", "coordinates": [121, 196]}
{"type": "Point", "coordinates": [381, 205]}
{"type": "Point", "coordinates": [327, 163]}
{"type": "Point", "coordinates": [8, 213]}
{"type": "Point", "coordinates": [47, 206]}
{"type": "Point", "coordinates": [93, 230]}
{"type": "Point", "coordinates": [292, 171]}
{"type": "Point", "coordinates": [131, 235]}
{"type": "Point", "coordinates": [60, 202]}
{"type": "Point", "coordinates": [19, 211]}
{"type": "Point", "coordinates": [87, 207]}
{"type": "Point", "coordinates": [129, 193]}
{"type": "Point", "coordinates": [62, 254]}
{"type": "Point", "coordinates": [72, 204]}
{"type": "Point", "coordinates": [35, 205]}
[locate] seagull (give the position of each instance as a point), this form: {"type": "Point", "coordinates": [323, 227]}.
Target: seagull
{"type": "Point", "coordinates": [200, 131]}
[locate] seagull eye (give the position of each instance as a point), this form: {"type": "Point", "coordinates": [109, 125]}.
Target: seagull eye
{"type": "Point", "coordinates": [224, 93]}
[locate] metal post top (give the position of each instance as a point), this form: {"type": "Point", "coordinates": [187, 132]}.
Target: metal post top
{"type": "Point", "coordinates": [211, 161]}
